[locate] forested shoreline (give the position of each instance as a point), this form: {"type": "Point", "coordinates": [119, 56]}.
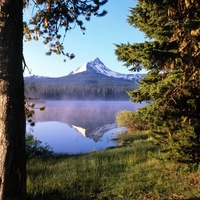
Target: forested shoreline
{"type": "Point", "coordinates": [70, 92]}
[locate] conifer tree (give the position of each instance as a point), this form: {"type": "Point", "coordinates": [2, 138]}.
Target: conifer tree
{"type": "Point", "coordinates": [172, 87]}
{"type": "Point", "coordinates": [48, 18]}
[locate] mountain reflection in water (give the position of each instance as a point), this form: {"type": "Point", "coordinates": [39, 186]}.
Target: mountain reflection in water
{"type": "Point", "coordinates": [79, 126]}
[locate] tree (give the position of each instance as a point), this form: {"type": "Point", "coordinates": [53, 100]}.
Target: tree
{"type": "Point", "coordinates": [172, 84]}
{"type": "Point", "coordinates": [49, 17]}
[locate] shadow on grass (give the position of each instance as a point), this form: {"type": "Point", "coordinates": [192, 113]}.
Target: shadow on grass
{"type": "Point", "coordinates": [57, 196]}
{"type": "Point", "coordinates": [196, 198]}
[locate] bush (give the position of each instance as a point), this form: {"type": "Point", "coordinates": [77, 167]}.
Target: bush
{"type": "Point", "coordinates": [34, 148]}
{"type": "Point", "coordinates": [131, 120]}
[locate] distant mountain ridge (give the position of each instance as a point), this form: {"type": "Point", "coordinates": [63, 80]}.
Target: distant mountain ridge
{"type": "Point", "coordinates": [90, 81]}
{"type": "Point", "coordinates": [97, 66]}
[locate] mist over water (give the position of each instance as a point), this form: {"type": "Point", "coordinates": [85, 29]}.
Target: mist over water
{"type": "Point", "coordinates": [79, 126]}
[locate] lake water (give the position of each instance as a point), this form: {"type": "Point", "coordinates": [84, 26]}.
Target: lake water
{"type": "Point", "coordinates": [78, 126]}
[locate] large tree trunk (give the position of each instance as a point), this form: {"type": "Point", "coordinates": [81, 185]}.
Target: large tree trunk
{"type": "Point", "coordinates": [12, 119]}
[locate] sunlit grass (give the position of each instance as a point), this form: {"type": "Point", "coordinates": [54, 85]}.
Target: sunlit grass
{"type": "Point", "coordinates": [134, 171]}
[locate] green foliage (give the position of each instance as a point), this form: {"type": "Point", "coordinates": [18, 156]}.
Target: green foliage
{"type": "Point", "coordinates": [127, 138]}
{"type": "Point", "coordinates": [34, 148]}
{"type": "Point", "coordinates": [130, 120]}
{"type": "Point", "coordinates": [30, 109]}
{"type": "Point", "coordinates": [49, 17]}
{"type": "Point", "coordinates": [171, 86]}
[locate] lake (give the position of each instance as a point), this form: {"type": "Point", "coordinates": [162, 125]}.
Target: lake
{"type": "Point", "coordinates": [78, 126]}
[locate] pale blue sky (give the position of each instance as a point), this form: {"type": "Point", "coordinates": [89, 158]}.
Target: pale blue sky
{"type": "Point", "coordinates": [98, 41]}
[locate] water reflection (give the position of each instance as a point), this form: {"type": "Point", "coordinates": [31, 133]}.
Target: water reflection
{"type": "Point", "coordinates": [64, 139]}
{"type": "Point", "coordinates": [79, 126]}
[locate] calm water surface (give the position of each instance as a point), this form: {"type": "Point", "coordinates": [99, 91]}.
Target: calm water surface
{"type": "Point", "coordinates": [79, 126]}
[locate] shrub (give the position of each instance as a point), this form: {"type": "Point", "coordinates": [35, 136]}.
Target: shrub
{"type": "Point", "coordinates": [34, 147]}
{"type": "Point", "coordinates": [131, 120]}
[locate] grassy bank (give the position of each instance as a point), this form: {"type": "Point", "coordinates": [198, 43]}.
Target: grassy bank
{"type": "Point", "coordinates": [134, 170]}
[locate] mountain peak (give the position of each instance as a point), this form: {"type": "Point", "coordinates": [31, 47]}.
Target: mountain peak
{"type": "Point", "coordinates": [98, 67]}
{"type": "Point", "coordinates": [95, 66]}
{"type": "Point", "coordinates": [97, 59]}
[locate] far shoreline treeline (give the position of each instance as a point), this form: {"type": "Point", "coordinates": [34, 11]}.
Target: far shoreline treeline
{"type": "Point", "coordinates": [77, 93]}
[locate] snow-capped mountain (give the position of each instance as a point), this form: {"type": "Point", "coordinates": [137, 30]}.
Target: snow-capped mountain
{"type": "Point", "coordinates": [91, 81]}
{"type": "Point", "coordinates": [98, 67]}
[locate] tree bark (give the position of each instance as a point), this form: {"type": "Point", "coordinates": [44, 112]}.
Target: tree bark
{"type": "Point", "coordinates": [12, 117]}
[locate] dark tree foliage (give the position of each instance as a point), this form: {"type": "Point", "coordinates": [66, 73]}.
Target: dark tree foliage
{"type": "Point", "coordinates": [50, 16]}
{"type": "Point", "coordinates": [78, 93]}
{"type": "Point", "coordinates": [35, 148]}
{"type": "Point", "coordinates": [172, 84]}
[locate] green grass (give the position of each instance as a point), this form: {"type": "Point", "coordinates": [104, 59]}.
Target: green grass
{"type": "Point", "coordinates": [134, 170]}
